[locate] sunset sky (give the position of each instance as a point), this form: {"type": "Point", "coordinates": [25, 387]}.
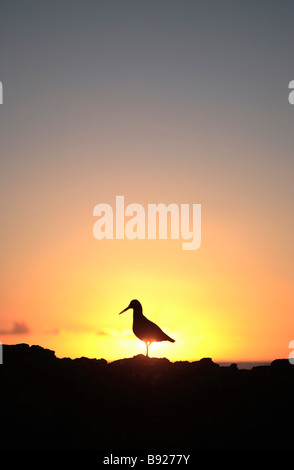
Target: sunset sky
{"type": "Point", "coordinates": [162, 102]}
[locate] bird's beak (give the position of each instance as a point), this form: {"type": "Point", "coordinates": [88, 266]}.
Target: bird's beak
{"type": "Point", "coordinates": [124, 310]}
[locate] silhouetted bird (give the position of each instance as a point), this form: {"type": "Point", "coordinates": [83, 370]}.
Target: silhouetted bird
{"type": "Point", "coordinates": [145, 329]}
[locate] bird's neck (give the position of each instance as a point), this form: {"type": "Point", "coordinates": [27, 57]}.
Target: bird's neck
{"type": "Point", "coordinates": [138, 312]}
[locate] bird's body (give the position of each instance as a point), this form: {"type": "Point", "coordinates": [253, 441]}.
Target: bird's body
{"type": "Point", "coordinates": [145, 329]}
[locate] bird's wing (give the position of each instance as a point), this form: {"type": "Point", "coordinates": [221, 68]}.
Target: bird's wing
{"type": "Point", "coordinates": [153, 332]}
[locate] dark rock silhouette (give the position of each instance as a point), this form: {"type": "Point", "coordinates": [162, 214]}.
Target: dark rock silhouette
{"type": "Point", "coordinates": [141, 403]}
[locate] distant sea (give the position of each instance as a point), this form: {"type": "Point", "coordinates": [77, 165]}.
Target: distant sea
{"type": "Point", "coordinates": [244, 365]}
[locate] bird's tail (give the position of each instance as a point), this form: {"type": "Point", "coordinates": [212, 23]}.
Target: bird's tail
{"type": "Point", "coordinates": [168, 338]}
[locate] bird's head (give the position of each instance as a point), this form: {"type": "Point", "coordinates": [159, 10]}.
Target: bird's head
{"type": "Point", "coordinates": [135, 304]}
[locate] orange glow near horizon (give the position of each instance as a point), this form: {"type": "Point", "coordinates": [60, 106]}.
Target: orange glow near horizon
{"type": "Point", "coordinates": [215, 302]}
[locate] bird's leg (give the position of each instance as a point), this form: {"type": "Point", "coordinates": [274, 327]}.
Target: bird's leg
{"type": "Point", "coordinates": [147, 345]}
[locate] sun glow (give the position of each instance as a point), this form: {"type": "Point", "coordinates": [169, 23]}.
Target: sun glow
{"type": "Point", "coordinates": [70, 287]}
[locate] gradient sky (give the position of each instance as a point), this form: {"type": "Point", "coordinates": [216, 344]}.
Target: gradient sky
{"type": "Point", "coordinates": [159, 101]}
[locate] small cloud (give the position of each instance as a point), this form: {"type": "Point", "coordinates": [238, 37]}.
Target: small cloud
{"type": "Point", "coordinates": [102, 333]}
{"type": "Point", "coordinates": [53, 331]}
{"type": "Point", "coordinates": [19, 328]}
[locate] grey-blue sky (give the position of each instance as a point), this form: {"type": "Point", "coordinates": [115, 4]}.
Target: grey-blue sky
{"type": "Point", "coordinates": [191, 54]}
